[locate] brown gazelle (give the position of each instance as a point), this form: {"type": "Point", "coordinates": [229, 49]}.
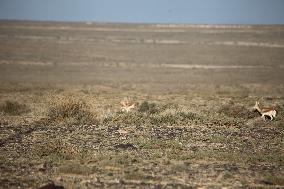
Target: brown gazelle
{"type": "Point", "coordinates": [265, 112]}
{"type": "Point", "coordinates": [127, 105]}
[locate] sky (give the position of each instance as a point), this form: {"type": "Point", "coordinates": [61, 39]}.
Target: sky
{"type": "Point", "coordinates": [147, 11]}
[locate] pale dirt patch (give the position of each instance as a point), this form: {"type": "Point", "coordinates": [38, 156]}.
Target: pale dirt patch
{"type": "Point", "coordinates": [248, 44]}
{"type": "Point", "coordinates": [197, 66]}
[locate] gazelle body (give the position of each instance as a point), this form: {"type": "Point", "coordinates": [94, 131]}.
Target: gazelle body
{"type": "Point", "coordinates": [127, 105]}
{"type": "Point", "coordinates": [265, 112]}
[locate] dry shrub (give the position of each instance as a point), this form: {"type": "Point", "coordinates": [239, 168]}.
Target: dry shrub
{"type": "Point", "coordinates": [70, 110]}
{"type": "Point", "coordinates": [13, 108]}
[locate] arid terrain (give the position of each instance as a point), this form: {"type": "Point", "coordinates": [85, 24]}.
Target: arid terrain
{"type": "Point", "coordinates": [193, 126]}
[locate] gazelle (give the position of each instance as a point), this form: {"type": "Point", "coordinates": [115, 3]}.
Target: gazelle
{"type": "Point", "coordinates": [265, 112]}
{"type": "Point", "coordinates": [127, 105]}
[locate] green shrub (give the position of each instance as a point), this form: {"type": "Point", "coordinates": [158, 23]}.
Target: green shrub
{"type": "Point", "coordinates": [14, 108]}
{"type": "Point", "coordinates": [149, 108]}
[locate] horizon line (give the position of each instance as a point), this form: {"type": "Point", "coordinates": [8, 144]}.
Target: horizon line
{"type": "Point", "coordinates": [136, 23]}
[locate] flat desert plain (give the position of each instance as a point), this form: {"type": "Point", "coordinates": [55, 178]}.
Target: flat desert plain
{"type": "Point", "coordinates": [193, 125]}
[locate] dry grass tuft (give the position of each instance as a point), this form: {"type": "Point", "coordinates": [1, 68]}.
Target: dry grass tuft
{"type": "Point", "coordinates": [14, 108]}
{"type": "Point", "coordinates": [70, 110]}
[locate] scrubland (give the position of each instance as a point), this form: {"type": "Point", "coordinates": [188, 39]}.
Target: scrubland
{"type": "Point", "coordinates": [195, 86]}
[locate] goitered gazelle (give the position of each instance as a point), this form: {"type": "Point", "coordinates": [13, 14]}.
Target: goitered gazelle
{"type": "Point", "coordinates": [265, 112]}
{"type": "Point", "coordinates": [127, 105]}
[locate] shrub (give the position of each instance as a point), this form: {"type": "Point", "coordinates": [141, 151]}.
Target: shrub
{"type": "Point", "coordinates": [70, 110]}
{"type": "Point", "coordinates": [14, 108]}
{"type": "Point", "coordinates": [149, 108]}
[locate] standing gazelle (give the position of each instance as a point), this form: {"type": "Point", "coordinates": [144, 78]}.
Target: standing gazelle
{"type": "Point", "coordinates": [265, 112]}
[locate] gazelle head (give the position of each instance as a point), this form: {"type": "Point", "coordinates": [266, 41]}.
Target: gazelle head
{"type": "Point", "coordinates": [256, 107]}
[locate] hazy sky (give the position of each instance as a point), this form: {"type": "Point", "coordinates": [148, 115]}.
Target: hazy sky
{"type": "Point", "coordinates": [150, 11]}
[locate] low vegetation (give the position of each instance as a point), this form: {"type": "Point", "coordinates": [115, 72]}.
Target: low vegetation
{"type": "Point", "coordinates": [238, 111]}
{"type": "Point", "coordinates": [14, 108]}
{"type": "Point", "coordinates": [69, 110]}
{"type": "Point", "coordinates": [151, 114]}
{"type": "Point", "coordinates": [155, 143]}
{"type": "Point", "coordinates": [148, 108]}
{"type": "Point", "coordinates": [190, 124]}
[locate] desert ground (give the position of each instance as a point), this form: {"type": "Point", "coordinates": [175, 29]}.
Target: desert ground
{"type": "Point", "coordinates": [193, 126]}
